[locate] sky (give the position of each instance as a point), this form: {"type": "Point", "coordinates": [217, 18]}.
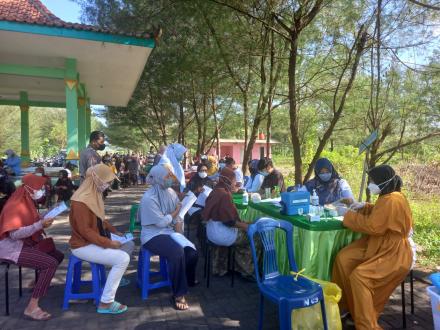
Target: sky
{"type": "Point", "coordinates": [67, 10]}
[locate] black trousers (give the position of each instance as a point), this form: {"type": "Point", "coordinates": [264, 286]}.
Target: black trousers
{"type": "Point", "coordinates": [182, 262]}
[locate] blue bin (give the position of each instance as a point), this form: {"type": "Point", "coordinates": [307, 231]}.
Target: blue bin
{"type": "Point", "coordinates": [295, 202]}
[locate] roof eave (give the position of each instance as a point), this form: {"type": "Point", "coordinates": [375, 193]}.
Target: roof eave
{"type": "Point", "coordinates": [63, 32]}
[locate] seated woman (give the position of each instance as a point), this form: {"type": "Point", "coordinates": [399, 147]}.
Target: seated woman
{"type": "Point", "coordinates": [200, 176]}
{"type": "Point", "coordinates": [272, 177]}
{"type": "Point", "coordinates": [64, 187]}
{"type": "Point", "coordinates": [369, 269]}
{"type": "Point", "coordinates": [225, 228]}
{"type": "Point", "coordinates": [158, 211]}
{"type": "Point", "coordinates": [90, 240]}
{"type": "Point", "coordinates": [45, 201]}
{"type": "Point", "coordinates": [329, 186]}
{"type": "Point", "coordinates": [253, 171]}
{"type": "Point", "coordinates": [7, 187]}
{"type": "Point", "coordinates": [22, 243]}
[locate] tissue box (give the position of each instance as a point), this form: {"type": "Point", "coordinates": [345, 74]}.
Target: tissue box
{"type": "Point", "coordinates": [295, 202]}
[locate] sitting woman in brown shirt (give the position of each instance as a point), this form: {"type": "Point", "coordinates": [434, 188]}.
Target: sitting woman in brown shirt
{"type": "Point", "coordinates": [90, 239]}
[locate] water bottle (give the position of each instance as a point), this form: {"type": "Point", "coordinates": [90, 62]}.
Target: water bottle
{"type": "Point", "coordinates": [245, 198]}
{"type": "Point", "coordinates": [315, 199]}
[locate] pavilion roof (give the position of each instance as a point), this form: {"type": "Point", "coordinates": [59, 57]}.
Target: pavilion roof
{"type": "Point", "coordinates": [34, 12]}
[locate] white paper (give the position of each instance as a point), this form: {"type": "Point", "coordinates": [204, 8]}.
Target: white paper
{"type": "Point", "coordinates": [187, 202]}
{"type": "Point", "coordinates": [201, 199]}
{"type": "Point", "coordinates": [57, 210]}
{"type": "Point", "coordinates": [122, 239]}
{"type": "Point", "coordinates": [182, 240]}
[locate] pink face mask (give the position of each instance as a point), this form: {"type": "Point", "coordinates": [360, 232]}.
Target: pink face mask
{"type": "Point", "coordinates": [100, 185]}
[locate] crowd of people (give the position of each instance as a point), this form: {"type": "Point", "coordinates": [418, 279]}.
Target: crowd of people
{"type": "Point", "coordinates": [367, 270]}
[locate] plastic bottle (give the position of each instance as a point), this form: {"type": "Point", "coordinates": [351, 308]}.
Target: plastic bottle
{"type": "Point", "coordinates": [245, 198]}
{"type": "Point", "coordinates": [315, 199]}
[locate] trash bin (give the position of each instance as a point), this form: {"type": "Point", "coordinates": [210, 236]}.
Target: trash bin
{"type": "Point", "coordinates": [434, 293]}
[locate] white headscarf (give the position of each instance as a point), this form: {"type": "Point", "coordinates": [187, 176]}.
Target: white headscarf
{"type": "Point", "coordinates": [173, 156]}
{"type": "Point", "coordinates": [157, 195]}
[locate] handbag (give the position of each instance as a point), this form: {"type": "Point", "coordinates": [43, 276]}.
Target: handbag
{"type": "Point", "coordinates": [46, 245]}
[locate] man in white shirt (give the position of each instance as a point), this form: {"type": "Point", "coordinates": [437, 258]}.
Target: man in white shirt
{"type": "Point", "coordinates": [230, 163]}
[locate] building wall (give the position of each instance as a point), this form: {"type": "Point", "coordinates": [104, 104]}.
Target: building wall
{"type": "Point", "coordinates": [236, 150]}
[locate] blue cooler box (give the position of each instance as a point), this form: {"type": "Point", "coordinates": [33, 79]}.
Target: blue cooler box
{"type": "Point", "coordinates": [294, 201]}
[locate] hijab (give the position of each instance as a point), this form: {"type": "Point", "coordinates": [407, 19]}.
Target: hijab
{"type": "Point", "coordinates": [219, 205]}
{"type": "Point", "coordinates": [165, 196]}
{"type": "Point", "coordinates": [90, 191]}
{"type": "Point", "coordinates": [386, 178]}
{"type": "Point", "coordinates": [328, 191]}
{"type": "Point", "coordinates": [173, 155]}
{"type": "Point", "coordinates": [20, 210]}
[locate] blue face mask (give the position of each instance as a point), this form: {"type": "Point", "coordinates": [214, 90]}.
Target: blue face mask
{"type": "Point", "coordinates": [180, 159]}
{"type": "Point", "coordinates": [325, 176]}
{"type": "Point", "coordinates": [169, 183]}
{"type": "Point", "coordinates": [264, 173]}
{"type": "Point", "coordinates": [222, 165]}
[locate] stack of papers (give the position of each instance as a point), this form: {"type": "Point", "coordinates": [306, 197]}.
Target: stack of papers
{"type": "Point", "coordinates": [187, 202]}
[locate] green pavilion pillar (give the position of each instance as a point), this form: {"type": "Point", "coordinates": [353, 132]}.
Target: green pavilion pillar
{"type": "Point", "coordinates": [82, 118]}
{"type": "Point", "coordinates": [71, 82]}
{"type": "Point", "coordinates": [24, 120]}
{"type": "Point", "coordinates": [88, 120]}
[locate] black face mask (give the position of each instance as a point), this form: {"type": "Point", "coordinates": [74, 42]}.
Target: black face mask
{"type": "Point", "coordinates": [101, 147]}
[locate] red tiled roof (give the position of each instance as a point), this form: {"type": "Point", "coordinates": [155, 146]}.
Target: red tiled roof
{"type": "Point", "coordinates": [34, 12]}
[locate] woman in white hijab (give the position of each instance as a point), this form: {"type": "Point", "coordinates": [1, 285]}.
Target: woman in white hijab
{"type": "Point", "coordinates": [173, 156]}
{"type": "Point", "coordinates": [158, 212]}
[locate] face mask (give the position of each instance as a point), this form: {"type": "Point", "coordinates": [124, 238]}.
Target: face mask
{"type": "Point", "coordinates": [374, 189]}
{"type": "Point", "coordinates": [222, 165]}
{"type": "Point", "coordinates": [203, 175]}
{"type": "Point", "coordinates": [103, 187]}
{"type": "Point", "coordinates": [325, 176]}
{"type": "Point", "coordinates": [264, 173]}
{"type": "Point", "coordinates": [101, 147]}
{"type": "Point", "coordinates": [169, 183]}
{"type": "Point", "coordinates": [180, 159]}
{"type": "Point", "coordinates": [36, 194]}
{"type": "Point", "coordinates": [39, 174]}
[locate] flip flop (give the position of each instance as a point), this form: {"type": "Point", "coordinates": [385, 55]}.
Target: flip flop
{"type": "Point", "coordinates": [113, 309]}
{"type": "Point", "coordinates": [38, 315]}
{"type": "Point", "coordinates": [124, 282]}
{"type": "Point", "coordinates": [181, 301]}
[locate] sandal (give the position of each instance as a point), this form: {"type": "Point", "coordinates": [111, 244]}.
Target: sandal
{"type": "Point", "coordinates": [38, 315]}
{"type": "Point", "coordinates": [180, 303]}
{"type": "Point", "coordinates": [114, 308]}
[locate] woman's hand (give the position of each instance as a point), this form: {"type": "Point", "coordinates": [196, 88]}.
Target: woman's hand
{"type": "Point", "coordinates": [242, 225]}
{"type": "Point", "coordinates": [119, 233]}
{"type": "Point", "coordinates": [47, 222]}
{"type": "Point", "coordinates": [115, 245]}
{"type": "Point", "coordinates": [177, 210]}
{"type": "Point", "coordinates": [178, 227]}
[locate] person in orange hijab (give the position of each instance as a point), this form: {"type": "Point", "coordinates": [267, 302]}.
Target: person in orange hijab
{"type": "Point", "coordinates": [21, 240]}
{"type": "Point", "coordinates": [369, 269]}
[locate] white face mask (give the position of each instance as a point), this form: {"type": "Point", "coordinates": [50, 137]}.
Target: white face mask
{"type": "Point", "coordinates": [374, 189]}
{"type": "Point", "coordinates": [203, 175]}
{"type": "Point", "coordinates": [36, 194]}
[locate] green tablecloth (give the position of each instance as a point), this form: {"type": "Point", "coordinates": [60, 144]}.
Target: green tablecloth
{"type": "Point", "coordinates": [315, 243]}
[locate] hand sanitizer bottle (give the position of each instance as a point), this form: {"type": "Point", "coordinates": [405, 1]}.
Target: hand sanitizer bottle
{"type": "Point", "coordinates": [315, 199]}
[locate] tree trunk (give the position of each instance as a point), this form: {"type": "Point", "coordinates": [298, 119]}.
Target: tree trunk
{"type": "Point", "coordinates": [293, 111]}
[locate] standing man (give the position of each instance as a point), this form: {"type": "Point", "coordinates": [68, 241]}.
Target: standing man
{"type": "Point", "coordinates": [89, 157]}
{"type": "Point", "coordinates": [159, 155]}
{"type": "Point", "coordinates": [151, 156]}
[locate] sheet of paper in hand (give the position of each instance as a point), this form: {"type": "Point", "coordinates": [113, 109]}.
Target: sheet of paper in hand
{"type": "Point", "coordinates": [57, 210]}
{"type": "Point", "coordinates": [122, 239]}
{"type": "Point", "coordinates": [182, 240]}
{"type": "Point", "coordinates": [187, 202]}
{"type": "Point", "coordinates": [201, 199]}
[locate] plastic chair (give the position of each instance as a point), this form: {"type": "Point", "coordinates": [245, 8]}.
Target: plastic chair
{"type": "Point", "coordinates": [144, 274]}
{"type": "Point", "coordinates": [411, 285]}
{"type": "Point", "coordinates": [134, 225]}
{"type": "Point", "coordinates": [284, 290]}
{"type": "Point", "coordinates": [74, 282]}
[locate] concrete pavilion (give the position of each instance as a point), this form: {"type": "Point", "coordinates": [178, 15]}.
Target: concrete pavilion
{"type": "Point", "coordinates": [46, 62]}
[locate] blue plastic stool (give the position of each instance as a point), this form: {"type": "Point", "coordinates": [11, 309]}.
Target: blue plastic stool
{"type": "Point", "coordinates": [144, 274]}
{"type": "Point", "coordinates": [74, 282]}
